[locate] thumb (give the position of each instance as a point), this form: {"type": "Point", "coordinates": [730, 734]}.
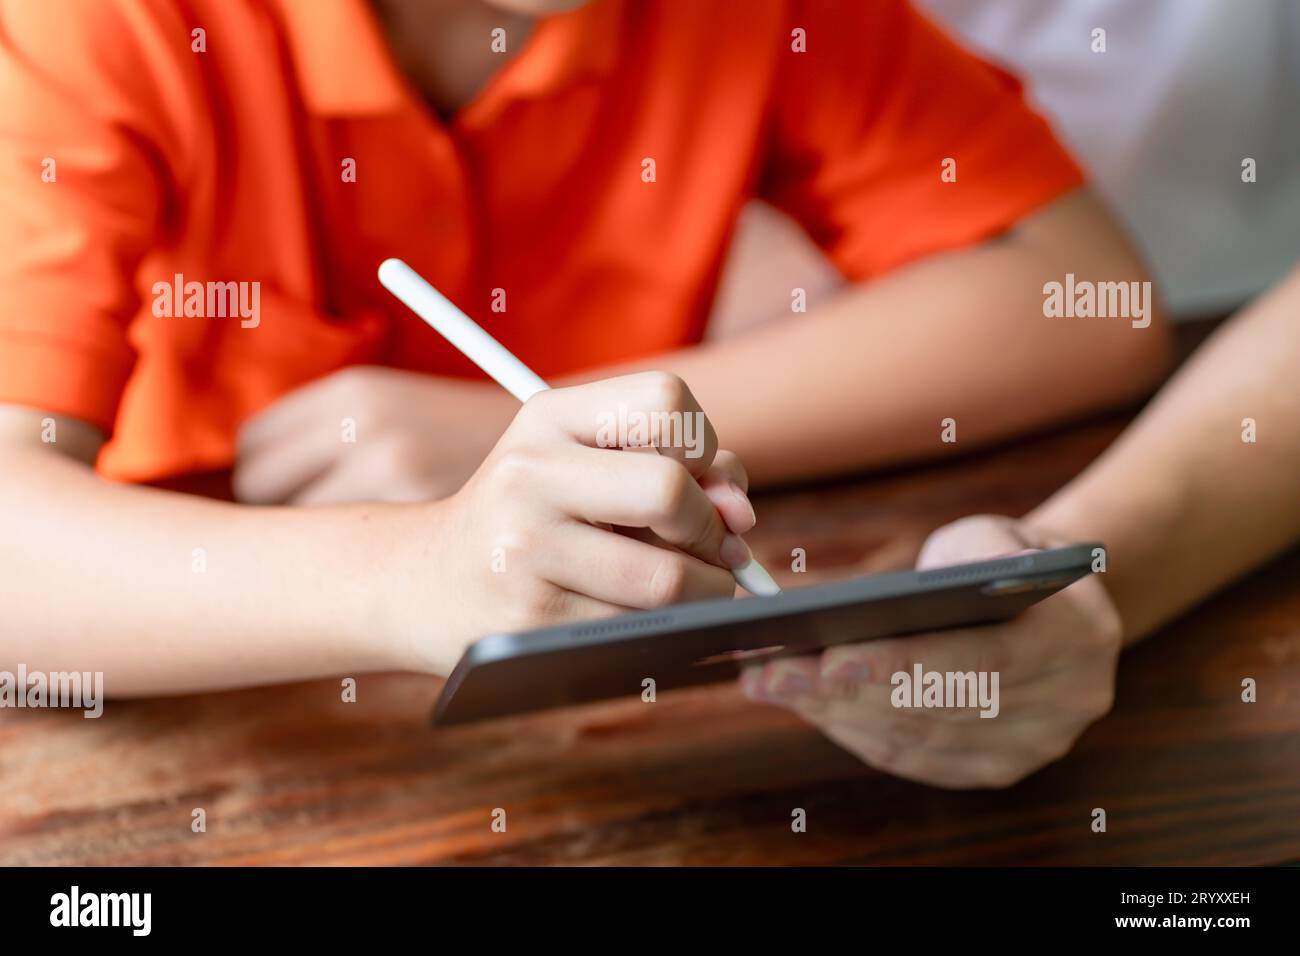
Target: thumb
{"type": "Point", "coordinates": [975, 538]}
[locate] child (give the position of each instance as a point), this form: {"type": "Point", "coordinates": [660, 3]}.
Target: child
{"type": "Point", "coordinates": [197, 196]}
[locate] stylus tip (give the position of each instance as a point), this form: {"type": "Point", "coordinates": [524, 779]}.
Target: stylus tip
{"type": "Point", "coordinates": [753, 577]}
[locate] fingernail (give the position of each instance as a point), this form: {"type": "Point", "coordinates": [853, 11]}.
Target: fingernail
{"type": "Point", "coordinates": [840, 689]}
{"type": "Point", "coordinates": [791, 683]}
{"type": "Point", "coordinates": [734, 552]}
{"type": "Point", "coordinates": [744, 499]}
{"type": "Point", "coordinates": [810, 705]}
{"type": "Point", "coordinates": [851, 672]}
{"type": "Point", "coordinates": [751, 683]}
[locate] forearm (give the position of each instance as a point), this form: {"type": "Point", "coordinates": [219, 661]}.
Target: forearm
{"type": "Point", "coordinates": [1182, 502]}
{"type": "Point", "coordinates": [867, 378]}
{"type": "Point", "coordinates": [166, 593]}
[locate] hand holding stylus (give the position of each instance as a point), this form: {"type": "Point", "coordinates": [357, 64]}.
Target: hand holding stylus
{"type": "Point", "coordinates": [526, 542]}
{"type": "Point", "coordinates": [520, 381]}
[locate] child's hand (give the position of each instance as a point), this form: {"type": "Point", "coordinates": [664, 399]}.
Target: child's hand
{"type": "Point", "coordinates": [369, 434]}
{"type": "Point", "coordinates": [1056, 665]}
{"type": "Point", "coordinates": [532, 539]}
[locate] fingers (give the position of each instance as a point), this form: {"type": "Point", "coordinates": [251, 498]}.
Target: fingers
{"type": "Point", "coordinates": [1012, 649]}
{"type": "Point", "coordinates": [566, 606]}
{"type": "Point", "coordinates": [922, 746]}
{"type": "Point", "coordinates": [337, 485]}
{"type": "Point", "coordinates": [351, 481]}
{"type": "Point", "coordinates": [643, 491]}
{"type": "Point", "coordinates": [648, 408]}
{"type": "Point", "coordinates": [1054, 667]}
{"type": "Point", "coordinates": [284, 448]}
{"type": "Point", "coordinates": [1016, 650]}
{"type": "Point", "coordinates": [308, 407]}
{"type": "Point", "coordinates": [1070, 631]}
{"type": "Point", "coordinates": [976, 538]}
{"type": "Point", "coordinates": [972, 769]}
{"type": "Point", "coordinates": [725, 484]}
{"type": "Point", "coordinates": [992, 743]}
{"type": "Point", "coordinates": [276, 472]}
{"type": "Point", "coordinates": [618, 569]}
{"type": "Point", "coordinates": [282, 419]}
{"type": "Point", "coordinates": [782, 680]}
{"type": "Point", "coordinates": [876, 662]}
{"type": "Point", "coordinates": [942, 747]}
{"type": "Point", "coordinates": [727, 468]}
{"type": "Point", "coordinates": [800, 684]}
{"type": "Point", "coordinates": [876, 706]}
{"type": "Point", "coordinates": [688, 495]}
{"type": "Point", "coordinates": [598, 521]}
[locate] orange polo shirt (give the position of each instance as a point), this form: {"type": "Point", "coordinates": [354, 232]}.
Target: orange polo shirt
{"type": "Point", "coordinates": [281, 146]}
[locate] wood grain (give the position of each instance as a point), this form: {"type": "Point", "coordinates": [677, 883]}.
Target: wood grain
{"type": "Point", "coordinates": [1188, 774]}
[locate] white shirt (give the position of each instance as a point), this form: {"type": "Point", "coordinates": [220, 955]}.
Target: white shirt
{"type": "Point", "coordinates": [1186, 90]}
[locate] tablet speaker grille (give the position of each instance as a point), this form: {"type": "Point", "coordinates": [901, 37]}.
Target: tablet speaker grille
{"type": "Point", "coordinates": [618, 627]}
{"type": "Point", "coordinates": [944, 575]}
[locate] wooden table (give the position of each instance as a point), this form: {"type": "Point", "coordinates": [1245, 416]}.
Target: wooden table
{"type": "Point", "coordinates": [291, 775]}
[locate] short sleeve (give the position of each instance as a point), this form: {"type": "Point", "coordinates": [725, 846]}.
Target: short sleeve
{"type": "Point", "coordinates": [890, 142]}
{"type": "Point", "coordinates": [82, 160]}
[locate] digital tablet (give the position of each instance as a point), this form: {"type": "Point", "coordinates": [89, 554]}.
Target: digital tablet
{"type": "Point", "coordinates": [707, 641]}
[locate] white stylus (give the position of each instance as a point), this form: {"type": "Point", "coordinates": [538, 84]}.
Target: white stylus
{"type": "Point", "coordinates": [497, 361]}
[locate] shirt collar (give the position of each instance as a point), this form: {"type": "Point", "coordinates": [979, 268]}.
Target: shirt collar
{"type": "Point", "coordinates": [344, 66]}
